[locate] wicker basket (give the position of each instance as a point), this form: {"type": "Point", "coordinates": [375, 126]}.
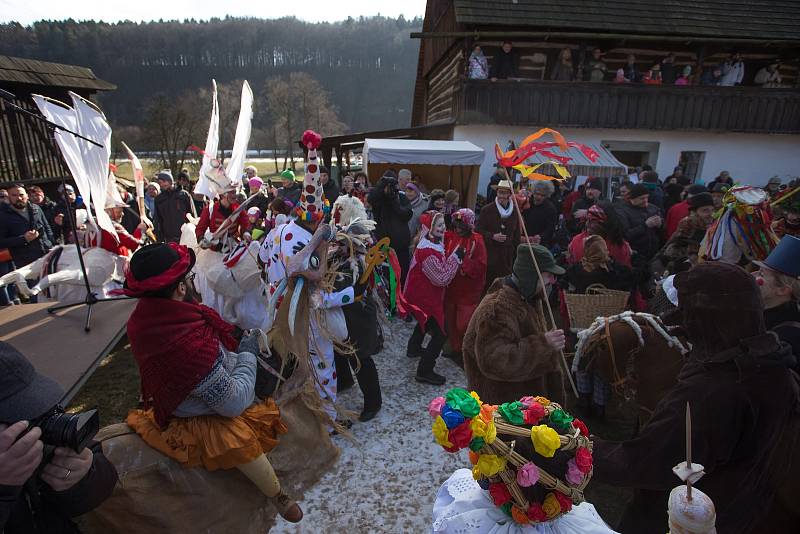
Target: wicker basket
{"type": "Point", "coordinates": [598, 301]}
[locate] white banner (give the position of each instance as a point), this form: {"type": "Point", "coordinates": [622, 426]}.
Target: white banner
{"type": "Point", "coordinates": [210, 170]}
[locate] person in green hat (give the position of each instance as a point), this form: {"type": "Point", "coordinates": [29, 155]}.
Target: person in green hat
{"type": "Point", "coordinates": [508, 349]}
{"type": "Point", "coordinates": [291, 188]}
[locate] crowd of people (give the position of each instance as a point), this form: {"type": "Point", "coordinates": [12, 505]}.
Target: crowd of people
{"type": "Point", "coordinates": [480, 286]}
{"type": "Point", "coordinates": [571, 66]}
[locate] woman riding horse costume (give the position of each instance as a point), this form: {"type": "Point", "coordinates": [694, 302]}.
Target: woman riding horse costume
{"type": "Point", "coordinates": [198, 383]}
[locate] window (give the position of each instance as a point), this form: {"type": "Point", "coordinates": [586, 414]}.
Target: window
{"type": "Point", "coordinates": [692, 163]}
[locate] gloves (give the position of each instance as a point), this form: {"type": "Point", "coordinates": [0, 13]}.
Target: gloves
{"type": "Point", "coordinates": [460, 253]}
{"type": "Point", "coordinates": [359, 288]}
{"type": "Point", "coordinates": [249, 343]}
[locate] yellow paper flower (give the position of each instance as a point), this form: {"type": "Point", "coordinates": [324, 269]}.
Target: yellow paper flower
{"type": "Point", "coordinates": [440, 432]}
{"type": "Point", "coordinates": [545, 440]}
{"type": "Point", "coordinates": [478, 427]}
{"type": "Point", "coordinates": [551, 506]}
{"type": "Point", "coordinates": [490, 464]}
{"type": "Point", "coordinates": [491, 433]}
{"type": "Point", "coordinates": [476, 473]}
{"type": "Point", "coordinates": [474, 395]}
{"type": "Point", "coordinates": [544, 401]}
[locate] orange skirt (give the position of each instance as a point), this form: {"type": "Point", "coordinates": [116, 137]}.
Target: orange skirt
{"type": "Point", "coordinates": [213, 441]}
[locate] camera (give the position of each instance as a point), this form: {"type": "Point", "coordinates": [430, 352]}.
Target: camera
{"type": "Point", "coordinates": [72, 430]}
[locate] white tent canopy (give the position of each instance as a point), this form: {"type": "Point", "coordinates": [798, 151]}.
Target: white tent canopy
{"type": "Point", "coordinates": [422, 152]}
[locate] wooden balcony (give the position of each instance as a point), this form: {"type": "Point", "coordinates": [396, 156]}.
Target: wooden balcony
{"type": "Point", "coordinates": [608, 105]}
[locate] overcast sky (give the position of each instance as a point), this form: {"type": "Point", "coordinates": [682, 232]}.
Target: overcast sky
{"type": "Point", "coordinates": [26, 12]}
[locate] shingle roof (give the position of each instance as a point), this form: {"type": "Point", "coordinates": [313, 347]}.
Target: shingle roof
{"type": "Point", "coordinates": [34, 72]}
{"type": "Point", "coordinates": [749, 19]}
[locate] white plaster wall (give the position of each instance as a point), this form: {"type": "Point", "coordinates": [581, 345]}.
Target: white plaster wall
{"type": "Point", "coordinates": [750, 158]}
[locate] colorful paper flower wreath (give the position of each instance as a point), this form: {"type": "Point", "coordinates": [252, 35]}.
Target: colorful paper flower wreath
{"type": "Point", "coordinates": [463, 421]}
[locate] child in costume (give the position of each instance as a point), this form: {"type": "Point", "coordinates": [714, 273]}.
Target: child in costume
{"type": "Point", "coordinates": [198, 383]}
{"type": "Point", "coordinates": [531, 463]}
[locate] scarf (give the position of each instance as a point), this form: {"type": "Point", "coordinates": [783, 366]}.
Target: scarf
{"type": "Point", "coordinates": [595, 254]}
{"type": "Point", "coordinates": [175, 344]}
{"type": "Point", "coordinates": [505, 213]}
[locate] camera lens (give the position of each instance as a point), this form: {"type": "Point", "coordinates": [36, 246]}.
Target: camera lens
{"type": "Point", "coordinates": [74, 431]}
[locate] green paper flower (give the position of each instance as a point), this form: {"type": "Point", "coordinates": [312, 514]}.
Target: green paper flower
{"type": "Point", "coordinates": [460, 399]}
{"type": "Point", "coordinates": [507, 508]}
{"type": "Point", "coordinates": [476, 444]}
{"type": "Point", "coordinates": [561, 419]}
{"type": "Point", "coordinates": [512, 412]}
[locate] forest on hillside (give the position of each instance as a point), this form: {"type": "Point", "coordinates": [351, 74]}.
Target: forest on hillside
{"type": "Point", "coordinates": [366, 66]}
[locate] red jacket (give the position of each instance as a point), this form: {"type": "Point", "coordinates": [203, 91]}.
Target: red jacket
{"type": "Point", "coordinates": [620, 253]}
{"type": "Point", "coordinates": [212, 222]}
{"type": "Point", "coordinates": [428, 276]}
{"type": "Point", "coordinates": [674, 216]}
{"type": "Point", "coordinates": [127, 243]}
{"type": "Point", "coordinates": [465, 291]}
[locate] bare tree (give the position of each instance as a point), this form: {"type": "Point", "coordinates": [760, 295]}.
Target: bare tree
{"type": "Point", "coordinates": [298, 103]}
{"type": "Point", "coordinates": [171, 125]}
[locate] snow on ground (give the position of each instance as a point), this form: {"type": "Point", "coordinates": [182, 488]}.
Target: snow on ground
{"type": "Point", "coordinates": [386, 483]}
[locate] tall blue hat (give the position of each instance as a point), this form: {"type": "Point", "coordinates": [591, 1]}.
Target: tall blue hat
{"type": "Point", "coordinates": [785, 257]}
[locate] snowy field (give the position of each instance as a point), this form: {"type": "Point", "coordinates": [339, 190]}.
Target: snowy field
{"type": "Point", "coordinates": [389, 481]}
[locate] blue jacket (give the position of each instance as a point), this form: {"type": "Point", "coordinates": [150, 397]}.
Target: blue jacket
{"type": "Point", "coordinates": [12, 234]}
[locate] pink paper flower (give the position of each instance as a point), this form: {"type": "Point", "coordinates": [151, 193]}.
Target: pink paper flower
{"type": "Point", "coordinates": [435, 406]}
{"type": "Point", "coordinates": [574, 474]}
{"type": "Point", "coordinates": [527, 475]}
{"type": "Point", "coordinates": [526, 402]}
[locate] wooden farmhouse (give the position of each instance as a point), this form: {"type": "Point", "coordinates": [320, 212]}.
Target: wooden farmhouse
{"type": "Point", "coordinates": [631, 105]}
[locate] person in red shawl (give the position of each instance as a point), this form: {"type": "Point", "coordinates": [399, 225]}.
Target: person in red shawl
{"type": "Point", "coordinates": [198, 383]}
{"type": "Point", "coordinates": [601, 219]}
{"type": "Point", "coordinates": [213, 215]}
{"type": "Point", "coordinates": [430, 272]}
{"type": "Point", "coordinates": [464, 293]}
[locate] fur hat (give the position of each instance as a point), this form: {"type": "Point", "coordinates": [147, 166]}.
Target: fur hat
{"type": "Point", "coordinates": [700, 200]}
{"type": "Point", "coordinates": [638, 190]}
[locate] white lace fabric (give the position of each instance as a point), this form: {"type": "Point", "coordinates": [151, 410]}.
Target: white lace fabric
{"type": "Point", "coordinates": [462, 507]}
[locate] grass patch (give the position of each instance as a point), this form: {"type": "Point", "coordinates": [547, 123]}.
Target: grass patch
{"type": "Point", "coordinates": [113, 388]}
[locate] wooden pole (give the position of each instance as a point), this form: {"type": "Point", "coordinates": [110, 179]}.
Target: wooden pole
{"type": "Point", "coordinates": [539, 274]}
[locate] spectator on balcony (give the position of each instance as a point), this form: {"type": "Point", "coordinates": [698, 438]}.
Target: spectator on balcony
{"type": "Point", "coordinates": [733, 70]}
{"type": "Point", "coordinates": [652, 76]}
{"type": "Point", "coordinates": [620, 77]}
{"type": "Point", "coordinates": [505, 64]}
{"type": "Point", "coordinates": [597, 68]}
{"type": "Point", "coordinates": [669, 71]}
{"type": "Point", "coordinates": [478, 64]}
{"type": "Point", "coordinates": [769, 76]}
{"type": "Point", "coordinates": [685, 77]}
{"type": "Point", "coordinates": [712, 77]}
{"type": "Point", "coordinates": [632, 74]}
{"type": "Point", "coordinates": [563, 70]}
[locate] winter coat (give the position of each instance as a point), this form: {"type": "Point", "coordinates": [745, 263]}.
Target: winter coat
{"type": "Point", "coordinates": [418, 207]}
{"type": "Point", "coordinates": [292, 194]}
{"type": "Point", "coordinates": [784, 320]}
{"type": "Point", "coordinates": [12, 234]}
{"type": "Point", "coordinates": [732, 73]}
{"type": "Point", "coordinates": [171, 208]}
{"type": "Point", "coordinates": [212, 221]}
{"type": "Point", "coordinates": [37, 509]}
{"type": "Point", "coordinates": [506, 355]}
{"type": "Point", "coordinates": [646, 241]}
{"type": "Point", "coordinates": [478, 67]}
{"type": "Point", "coordinates": [617, 277]}
{"type": "Point", "coordinates": [391, 213]}
{"type": "Point", "coordinates": [430, 273]}
{"type": "Point", "coordinates": [464, 293]}
{"type": "Point", "coordinates": [331, 190]}
{"type": "Point", "coordinates": [500, 255]}
{"type": "Point", "coordinates": [674, 216]}
{"type": "Point", "coordinates": [739, 412]}
{"type": "Point", "coordinates": [505, 65]}
{"type": "Point", "coordinates": [49, 208]}
{"type": "Point", "coordinates": [562, 72]}
{"type": "Point", "coordinates": [541, 220]}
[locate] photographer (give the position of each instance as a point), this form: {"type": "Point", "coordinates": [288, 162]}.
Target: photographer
{"type": "Point", "coordinates": [392, 212]}
{"type": "Point", "coordinates": [40, 493]}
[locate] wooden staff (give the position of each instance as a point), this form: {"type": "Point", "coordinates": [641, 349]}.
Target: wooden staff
{"type": "Point", "coordinates": [539, 273]}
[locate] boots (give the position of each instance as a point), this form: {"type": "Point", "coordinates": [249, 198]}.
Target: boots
{"type": "Point", "coordinates": [344, 377]}
{"type": "Point", "coordinates": [371, 389]}
{"type": "Point", "coordinates": [425, 372]}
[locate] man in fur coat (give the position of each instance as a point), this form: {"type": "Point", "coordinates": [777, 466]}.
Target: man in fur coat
{"type": "Point", "coordinates": [508, 352]}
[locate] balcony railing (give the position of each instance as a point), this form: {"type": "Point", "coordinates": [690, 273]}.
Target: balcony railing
{"type": "Point", "coordinates": [607, 105]}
